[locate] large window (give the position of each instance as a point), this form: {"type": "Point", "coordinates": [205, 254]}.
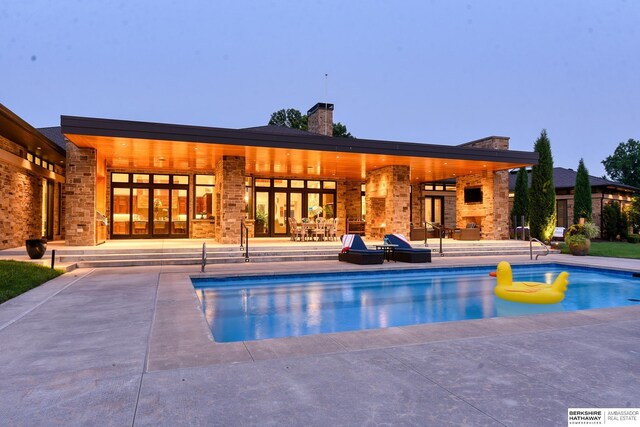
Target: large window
{"type": "Point", "coordinates": [148, 205]}
{"type": "Point", "coordinates": [204, 200]}
{"type": "Point", "coordinates": [277, 200]}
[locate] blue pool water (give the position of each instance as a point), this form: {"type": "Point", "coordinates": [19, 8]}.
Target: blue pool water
{"type": "Point", "coordinates": [253, 308]}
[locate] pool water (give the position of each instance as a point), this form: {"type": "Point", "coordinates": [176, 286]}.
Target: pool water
{"type": "Point", "coordinates": [253, 308]}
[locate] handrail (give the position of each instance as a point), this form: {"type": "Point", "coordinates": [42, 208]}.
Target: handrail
{"type": "Point", "coordinates": [244, 231]}
{"type": "Point", "coordinates": [531, 240]}
{"type": "Point", "coordinates": [440, 231]}
{"type": "Point", "coordinates": [204, 256]}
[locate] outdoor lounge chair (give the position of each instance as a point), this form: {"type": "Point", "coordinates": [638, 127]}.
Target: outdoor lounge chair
{"type": "Point", "coordinates": [355, 251]}
{"type": "Point", "coordinates": [404, 252]}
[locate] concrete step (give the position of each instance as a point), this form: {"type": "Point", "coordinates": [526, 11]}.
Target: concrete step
{"type": "Point", "coordinates": [234, 254]}
{"type": "Point", "coordinates": [198, 261]}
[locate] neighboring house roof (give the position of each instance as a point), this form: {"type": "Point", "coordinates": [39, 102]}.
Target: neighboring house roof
{"type": "Point", "coordinates": [54, 133]}
{"type": "Point", "coordinates": [566, 178]}
{"type": "Point", "coordinates": [277, 130]}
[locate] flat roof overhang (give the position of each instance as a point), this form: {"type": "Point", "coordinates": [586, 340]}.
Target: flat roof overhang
{"type": "Point", "coordinates": [143, 145]}
{"type": "Point", "coordinates": [22, 133]}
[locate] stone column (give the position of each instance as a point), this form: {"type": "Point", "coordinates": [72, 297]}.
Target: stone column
{"type": "Point", "coordinates": [229, 194]}
{"type": "Point", "coordinates": [388, 199]}
{"type": "Point", "coordinates": [416, 205]}
{"type": "Point", "coordinates": [80, 196]}
{"type": "Point", "coordinates": [492, 214]}
{"type": "Point", "coordinates": [349, 203]}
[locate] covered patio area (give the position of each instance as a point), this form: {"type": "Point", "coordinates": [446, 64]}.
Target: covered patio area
{"type": "Point", "coordinates": [156, 181]}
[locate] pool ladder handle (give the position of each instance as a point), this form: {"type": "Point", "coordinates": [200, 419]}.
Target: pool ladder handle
{"type": "Point", "coordinates": [546, 248]}
{"type": "Point", "coordinates": [440, 231]}
{"type": "Point", "coordinates": [204, 256]}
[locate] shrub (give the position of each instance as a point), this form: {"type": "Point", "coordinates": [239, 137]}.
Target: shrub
{"type": "Point", "coordinates": [582, 198]}
{"type": "Point", "coordinates": [614, 222]}
{"type": "Point", "coordinates": [633, 238]}
{"type": "Point", "coordinates": [578, 234]}
{"type": "Point", "coordinates": [542, 194]}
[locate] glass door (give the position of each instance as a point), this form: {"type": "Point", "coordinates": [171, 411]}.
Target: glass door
{"type": "Point", "coordinates": [140, 212]}
{"type": "Point", "coordinates": [295, 206]}
{"type": "Point", "coordinates": [262, 213]}
{"type": "Point", "coordinates": [434, 209]}
{"type": "Point", "coordinates": [121, 207]}
{"type": "Point", "coordinates": [279, 216]}
{"type": "Point", "coordinates": [179, 213]}
{"type": "Point", "coordinates": [160, 212]}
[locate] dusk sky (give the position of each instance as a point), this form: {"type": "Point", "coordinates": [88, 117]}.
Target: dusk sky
{"type": "Point", "coordinates": [440, 72]}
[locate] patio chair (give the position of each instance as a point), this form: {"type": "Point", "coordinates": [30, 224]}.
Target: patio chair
{"type": "Point", "coordinates": [295, 230]}
{"type": "Point", "coordinates": [355, 251]}
{"type": "Point", "coordinates": [319, 231]}
{"type": "Point", "coordinates": [332, 229]}
{"type": "Point", "coordinates": [404, 252]}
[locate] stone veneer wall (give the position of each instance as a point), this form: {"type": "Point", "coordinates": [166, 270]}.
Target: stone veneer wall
{"type": "Point", "coordinates": [321, 121]}
{"type": "Point", "coordinates": [229, 194]}
{"type": "Point", "coordinates": [416, 204]}
{"type": "Point", "coordinates": [492, 215]}
{"type": "Point", "coordinates": [388, 201]}
{"type": "Point", "coordinates": [21, 202]}
{"type": "Point", "coordinates": [349, 204]}
{"type": "Point", "coordinates": [80, 196]}
{"type": "Point", "coordinates": [20, 205]}
{"type": "Point", "coordinates": [449, 206]}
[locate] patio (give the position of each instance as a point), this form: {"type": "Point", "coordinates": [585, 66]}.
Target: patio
{"type": "Point", "coordinates": [129, 346]}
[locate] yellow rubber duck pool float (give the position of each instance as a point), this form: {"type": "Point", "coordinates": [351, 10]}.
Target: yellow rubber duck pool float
{"type": "Point", "coordinates": [529, 292]}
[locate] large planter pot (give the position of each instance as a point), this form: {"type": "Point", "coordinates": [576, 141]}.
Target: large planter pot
{"type": "Point", "coordinates": [36, 248]}
{"type": "Point", "coordinates": [581, 249]}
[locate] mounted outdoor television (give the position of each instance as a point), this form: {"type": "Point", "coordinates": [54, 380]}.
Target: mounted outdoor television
{"type": "Point", "coordinates": [473, 195]}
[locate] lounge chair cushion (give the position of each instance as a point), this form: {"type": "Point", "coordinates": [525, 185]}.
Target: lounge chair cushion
{"type": "Point", "coordinates": [404, 252]}
{"type": "Point", "coordinates": [355, 251]}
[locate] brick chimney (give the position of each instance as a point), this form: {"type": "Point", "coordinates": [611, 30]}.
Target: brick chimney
{"type": "Point", "coordinates": [321, 119]}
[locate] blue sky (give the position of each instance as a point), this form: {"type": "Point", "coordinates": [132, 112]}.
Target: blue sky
{"type": "Point", "coordinates": [441, 72]}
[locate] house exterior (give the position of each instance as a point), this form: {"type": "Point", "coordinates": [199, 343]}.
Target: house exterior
{"type": "Point", "coordinates": [603, 192]}
{"type": "Point", "coordinates": [140, 180]}
{"type": "Point", "coordinates": [32, 182]}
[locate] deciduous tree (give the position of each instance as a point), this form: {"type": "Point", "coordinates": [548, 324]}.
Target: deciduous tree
{"type": "Point", "coordinates": [294, 119]}
{"type": "Point", "coordinates": [624, 164]}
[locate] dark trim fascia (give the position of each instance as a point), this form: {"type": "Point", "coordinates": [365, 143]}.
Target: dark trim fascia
{"type": "Point", "coordinates": [22, 133]}
{"type": "Point", "coordinates": [172, 132]}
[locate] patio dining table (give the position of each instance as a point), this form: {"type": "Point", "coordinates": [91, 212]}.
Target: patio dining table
{"type": "Point", "coordinates": [313, 230]}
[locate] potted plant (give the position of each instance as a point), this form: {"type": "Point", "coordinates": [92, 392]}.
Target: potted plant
{"type": "Point", "coordinates": [36, 247]}
{"type": "Point", "coordinates": [261, 221]}
{"type": "Point", "coordinates": [578, 237]}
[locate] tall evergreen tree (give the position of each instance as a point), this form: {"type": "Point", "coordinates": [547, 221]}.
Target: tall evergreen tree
{"type": "Point", "coordinates": [542, 196]}
{"type": "Point", "coordinates": [521, 196]}
{"type": "Point", "coordinates": [582, 196]}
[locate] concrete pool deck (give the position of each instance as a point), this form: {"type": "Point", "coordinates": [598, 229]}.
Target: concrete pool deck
{"type": "Point", "coordinates": [130, 346]}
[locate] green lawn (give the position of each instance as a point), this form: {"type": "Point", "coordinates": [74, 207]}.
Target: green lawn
{"type": "Point", "coordinates": [18, 277]}
{"type": "Point", "coordinates": [612, 249]}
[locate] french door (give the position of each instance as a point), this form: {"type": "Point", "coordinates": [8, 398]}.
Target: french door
{"type": "Point", "coordinates": [147, 210]}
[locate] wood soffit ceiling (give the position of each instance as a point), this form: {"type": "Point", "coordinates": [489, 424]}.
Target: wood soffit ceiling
{"type": "Point", "coordinates": [287, 156]}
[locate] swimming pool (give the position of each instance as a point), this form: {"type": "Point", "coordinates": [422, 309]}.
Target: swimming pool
{"type": "Point", "coordinates": [253, 308]}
